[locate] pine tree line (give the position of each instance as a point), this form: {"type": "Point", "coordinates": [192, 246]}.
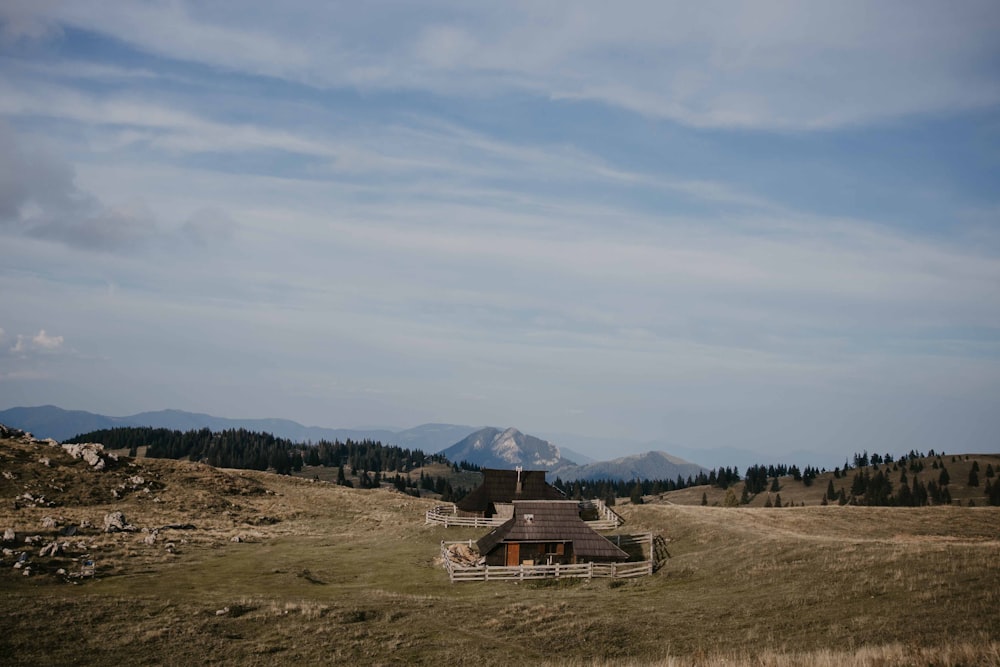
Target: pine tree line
{"type": "Point", "coordinates": [241, 448]}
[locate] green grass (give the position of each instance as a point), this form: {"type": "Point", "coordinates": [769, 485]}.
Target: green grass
{"type": "Point", "coordinates": [350, 575]}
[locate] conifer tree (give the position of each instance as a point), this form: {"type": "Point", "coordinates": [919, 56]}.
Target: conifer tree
{"type": "Point", "coordinates": [636, 496]}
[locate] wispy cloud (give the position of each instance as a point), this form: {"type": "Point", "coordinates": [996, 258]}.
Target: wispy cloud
{"type": "Point", "coordinates": [710, 65]}
{"type": "Point", "coordinates": [712, 218]}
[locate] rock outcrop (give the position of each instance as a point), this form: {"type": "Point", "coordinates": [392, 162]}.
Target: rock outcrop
{"type": "Point", "coordinates": [115, 522]}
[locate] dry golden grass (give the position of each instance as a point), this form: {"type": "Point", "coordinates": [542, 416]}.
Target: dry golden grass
{"type": "Point", "coordinates": [330, 575]}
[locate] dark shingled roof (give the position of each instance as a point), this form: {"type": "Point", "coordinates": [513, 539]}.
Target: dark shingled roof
{"type": "Point", "coordinates": [551, 521]}
{"type": "Point", "coordinates": [500, 486]}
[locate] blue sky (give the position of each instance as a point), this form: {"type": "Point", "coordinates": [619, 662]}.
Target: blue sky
{"type": "Point", "coordinates": [768, 225]}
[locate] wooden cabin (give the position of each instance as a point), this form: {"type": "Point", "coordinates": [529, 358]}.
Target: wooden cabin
{"type": "Point", "coordinates": [546, 532]}
{"type": "Point", "coordinates": [502, 487]}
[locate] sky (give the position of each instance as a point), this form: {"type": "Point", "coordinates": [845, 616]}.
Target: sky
{"type": "Point", "coordinates": [766, 225]}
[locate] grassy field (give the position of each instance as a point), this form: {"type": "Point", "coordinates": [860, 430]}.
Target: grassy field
{"type": "Point", "coordinates": [327, 575]}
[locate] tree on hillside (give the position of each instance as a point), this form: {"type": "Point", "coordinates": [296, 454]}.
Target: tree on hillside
{"type": "Point", "coordinates": [830, 492]}
{"type": "Point", "coordinates": [904, 496]}
{"type": "Point", "coordinates": [944, 477]}
{"type": "Point", "coordinates": [704, 498]}
{"type": "Point", "coordinates": [777, 500]}
{"type": "Point", "coordinates": [774, 485]}
{"type": "Point", "coordinates": [993, 493]}
{"type": "Point", "coordinates": [636, 495]}
{"type": "Point", "coordinates": [973, 477]}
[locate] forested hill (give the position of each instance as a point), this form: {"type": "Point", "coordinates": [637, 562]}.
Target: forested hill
{"type": "Point", "coordinates": [241, 448]}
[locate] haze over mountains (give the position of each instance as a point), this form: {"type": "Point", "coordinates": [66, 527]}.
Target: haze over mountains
{"type": "Point", "coordinates": [485, 447]}
{"type": "Point", "coordinates": [49, 421]}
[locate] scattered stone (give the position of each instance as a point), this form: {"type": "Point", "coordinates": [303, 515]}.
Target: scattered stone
{"type": "Point", "coordinates": [32, 539]}
{"type": "Point", "coordinates": [7, 553]}
{"type": "Point", "coordinates": [115, 522]}
{"type": "Point", "coordinates": [136, 481]}
{"type": "Point", "coordinates": [222, 612]}
{"type": "Point", "coordinates": [61, 572]}
{"type": "Point", "coordinates": [51, 550]}
{"type": "Point", "coordinates": [27, 572]}
{"type": "Point", "coordinates": [45, 461]}
{"type": "Point", "coordinates": [170, 547]}
{"type": "Point", "coordinates": [9, 535]}
{"type": "Point", "coordinates": [151, 538]}
{"type": "Point", "coordinates": [18, 565]}
{"type": "Point", "coordinates": [68, 531]}
{"type": "Point", "coordinates": [236, 538]}
{"type": "Point", "coordinates": [49, 522]}
{"type": "Point", "coordinates": [7, 474]}
{"type": "Point", "coordinates": [86, 524]}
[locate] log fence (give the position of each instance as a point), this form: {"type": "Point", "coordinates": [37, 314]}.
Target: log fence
{"type": "Point", "coordinates": [447, 515]}
{"type": "Point", "coordinates": [458, 572]}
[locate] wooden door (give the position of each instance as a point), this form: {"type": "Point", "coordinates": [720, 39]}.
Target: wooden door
{"type": "Point", "coordinates": [513, 554]}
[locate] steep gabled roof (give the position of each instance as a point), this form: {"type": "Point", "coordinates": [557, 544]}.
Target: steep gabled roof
{"type": "Point", "coordinates": [551, 521]}
{"type": "Point", "coordinates": [500, 486]}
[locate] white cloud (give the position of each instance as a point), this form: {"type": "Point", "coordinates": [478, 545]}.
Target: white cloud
{"type": "Point", "coordinates": [43, 341]}
{"type": "Point", "coordinates": [40, 198]}
{"type": "Point", "coordinates": [40, 342]}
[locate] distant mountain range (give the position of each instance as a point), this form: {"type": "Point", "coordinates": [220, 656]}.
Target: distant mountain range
{"type": "Point", "coordinates": [486, 447]}
{"type": "Point", "coordinates": [496, 448]}
{"type": "Point", "coordinates": [650, 465]}
{"type": "Point", "coordinates": [49, 421]}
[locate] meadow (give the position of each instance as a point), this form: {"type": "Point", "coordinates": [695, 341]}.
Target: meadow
{"type": "Point", "coordinates": [328, 575]}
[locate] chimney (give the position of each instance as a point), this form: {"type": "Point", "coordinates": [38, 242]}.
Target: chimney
{"type": "Point", "coordinates": [517, 490]}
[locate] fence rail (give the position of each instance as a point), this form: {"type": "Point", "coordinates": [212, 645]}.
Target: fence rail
{"type": "Point", "coordinates": [459, 573]}
{"type": "Point", "coordinates": [447, 515]}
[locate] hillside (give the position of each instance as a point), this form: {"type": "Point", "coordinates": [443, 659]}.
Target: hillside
{"type": "Point", "coordinates": [651, 465]}
{"type": "Point", "coordinates": [328, 575]}
{"type": "Point", "coordinates": [929, 469]}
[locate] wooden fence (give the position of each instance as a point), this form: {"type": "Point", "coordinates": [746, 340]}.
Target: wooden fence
{"type": "Point", "coordinates": [458, 572]}
{"type": "Point", "coordinates": [447, 515]}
